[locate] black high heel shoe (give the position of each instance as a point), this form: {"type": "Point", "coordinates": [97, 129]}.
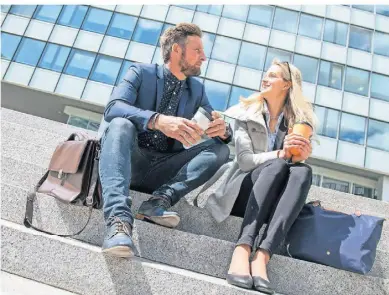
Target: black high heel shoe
{"type": "Point", "coordinates": [243, 281]}
{"type": "Point", "coordinates": [263, 285]}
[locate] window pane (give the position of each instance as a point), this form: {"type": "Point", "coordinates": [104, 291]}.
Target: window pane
{"type": "Point", "coordinates": [261, 15]}
{"type": "Point", "coordinates": [337, 185]}
{"type": "Point", "coordinates": [381, 43]}
{"type": "Point", "coordinates": [54, 57]}
{"type": "Point", "coordinates": [328, 121]}
{"type": "Point", "coordinates": [122, 26]}
{"type": "Point", "coordinates": [276, 53]}
{"type": "Point", "coordinates": [191, 7]}
{"type": "Point", "coordinates": [220, 51]}
{"type": "Point", "coordinates": [72, 15]}
{"type": "Point", "coordinates": [9, 43]}
{"type": "Point", "coordinates": [5, 8]}
{"type": "Point", "coordinates": [29, 51]}
{"type": "Point", "coordinates": [379, 87]}
{"type": "Point", "coordinates": [360, 190]}
{"type": "Point", "coordinates": [236, 93]}
{"type": "Point", "coordinates": [208, 40]}
{"type": "Point", "coordinates": [357, 81]}
{"type": "Point", "coordinates": [147, 31]}
{"type": "Point", "coordinates": [94, 126]}
{"type": "Point", "coordinates": [316, 179]}
{"type": "Point", "coordinates": [335, 32]}
{"type": "Point", "coordinates": [238, 12]}
{"type": "Point", "coordinates": [331, 75]}
{"type": "Point", "coordinates": [48, 13]}
{"type": "Point", "coordinates": [360, 38]}
{"type": "Point", "coordinates": [77, 121]}
{"type": "Point", "coordinates": [106, 69]}
{"type": "Point", "coordinates": [97, 20]}
{"type": "Point", "coordinates": [217, 94]}
{"type": "Point", "coordinates": [212, 9]}
{"type": "Point", "coordinates": [307, 66]}
{"type": "Point", "coordinates": [125, 66]}
{"type": "Point", "coordinates": [378, 135]}
{"type": "Point", "coordinates": [285, 20]}
{"type": "Point", "coordinates": [352, 128]}
{"type": "Point", "coordinates": [310, 26]}
{"type": "Point", "coordinates": [364, 7]}
{"type": "Point", "coordinates": [24, 10]}
{"type": "Point", "coordinates": [382, 9]}
{"type": "Point", "coordinates": [252, 56]}
{"type": "Point", "coordinates": [80, 63]}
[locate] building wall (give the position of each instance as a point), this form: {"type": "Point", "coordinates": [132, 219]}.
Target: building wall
{"type": "Point", "coordinates": [343, 52]}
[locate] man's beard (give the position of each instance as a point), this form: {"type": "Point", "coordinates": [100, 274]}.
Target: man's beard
{"type": "Point", "coordinates": [187, 69]}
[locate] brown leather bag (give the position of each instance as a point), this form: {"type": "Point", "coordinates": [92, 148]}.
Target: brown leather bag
{"type": "Point", "coordinates": [72, 177]}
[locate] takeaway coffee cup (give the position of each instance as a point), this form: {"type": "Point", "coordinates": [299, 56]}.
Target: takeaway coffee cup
{"type": "Point", "coordinates": [304, 129]}
{"type": "Point", "coordinates": [203, 119]}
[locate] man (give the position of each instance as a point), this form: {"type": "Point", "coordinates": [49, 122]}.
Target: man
{"type": "Point", "coordinates": [149, 124]}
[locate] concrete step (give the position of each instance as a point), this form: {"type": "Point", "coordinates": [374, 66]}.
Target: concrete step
{"type": "Point", "coordinates": [194, 252]}
{"type": "Point", "coordinates": [15, 285]}
{"type": "Point", "coordinates": [82, 268]}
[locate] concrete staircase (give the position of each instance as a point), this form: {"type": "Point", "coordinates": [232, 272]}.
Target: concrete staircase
{"type": "Point", "coordinates": [192, 259]}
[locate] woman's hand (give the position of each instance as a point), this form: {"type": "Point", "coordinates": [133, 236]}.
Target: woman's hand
{"type": "Point", "coordinates": [298, 142]}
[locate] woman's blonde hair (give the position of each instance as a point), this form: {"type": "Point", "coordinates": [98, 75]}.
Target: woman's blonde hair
{"type": "Point", "coordinates": [297, 108]}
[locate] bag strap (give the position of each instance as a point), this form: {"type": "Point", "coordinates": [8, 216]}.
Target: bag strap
{"type": "Point", "coordinates": [89, 200]}
{"type": "Point", "coordinates": [210, 182]}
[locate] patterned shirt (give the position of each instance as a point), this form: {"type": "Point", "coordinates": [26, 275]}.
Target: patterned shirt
{"type": "Point", "coordinates": [271, 135]}
{"type": "Point", "coordinates": [172, 91]}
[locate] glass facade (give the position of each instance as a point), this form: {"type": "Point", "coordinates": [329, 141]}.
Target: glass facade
{"type": "Point", "coordinates": [98, 44]}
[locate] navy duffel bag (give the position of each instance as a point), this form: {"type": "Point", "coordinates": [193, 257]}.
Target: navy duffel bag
{"type": "Point", "coordinates": [334, 238]}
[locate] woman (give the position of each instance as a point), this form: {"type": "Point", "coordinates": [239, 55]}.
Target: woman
{"type": "Point", "coordinates": [265, 183]}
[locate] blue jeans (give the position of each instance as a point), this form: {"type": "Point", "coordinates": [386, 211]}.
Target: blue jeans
{"type": "Point", "coordinates": [170, 175]}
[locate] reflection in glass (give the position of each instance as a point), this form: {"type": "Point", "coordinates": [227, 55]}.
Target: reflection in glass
{"type": "Point", "coordinates": [94, 126]}
{"type": "Point", "coordinates": [77, 121]}
{"type": "Point", "coordinates": [331, 75]}
{"type": "Point", "coordinates": [252, 56]}
{"type": "Point", "coordinates": [106, 69]}
{"type": "Point", "coordinates": [273, 53]}
{"type": "Point", "coordinates": [97, 20]}
{"type": "Point", "coordinates": [363, 191]}
{"type": "Point", "coordinates": [261, 15]}
{"type": "Point", "coordinates": [335, 32]}
{"type": "Point", "coordinates": [381, 43]}
{"type": "Point", "coordinates": [48, 13]}
{"type": "Point", "coordinates": [379, 86]}
{"type": "Point", "coordinates": [307, 66]}
{"type": "Point", "coordinates": [364, 7]}
{"type": "Point", "coordinates": [226, 49]}
{"type": "Point", "coordinates": [285, 20]}
{"type": "Point", "coordinates": [54, 57]}
{"type": "Point", "coordinates": [5, 8]}
{"type": "Point", "coordinates": [29, 51]}
{"type": "Point", "coordinates": [352, 128]}
{"type": "Point", "coordinates": [328, 120]}
{"type": "Point", "coordinates": [212, 9]}
{"type": "Point", "coordinates": [122, 26]}
{"type": "Point", "coordinates": [23, 10]}
{"type": "Point", "coordinates": [238, 12]}
{"type": "Point", "coordinates": [208, 40]}
{"type": "Point", "coordinates": [335, 184]}
{"type": "Point", "coordinates": [9, 43]}
{"type": "Point", "coordinates": [217, 94]}
{"type": "Point", "coordinates": [310, 26]}
{"type": "Point", "coordinates": [191, 7]}
{"type": "Point", "coordinates": [378, 135]}
{"type": "Point", "coordinates": [360, 38]}
{"type": "Point", "coordinates": [382, 9]}
{"type": "Point", "coordinates": [73, 15]}
{"type": "Point", "coordinates": [125, 66]}
{"type": "Point", "coordinates": [236, 93]}
{"type": "Point", "coordinates": [80, 63]}
{"type": "Point", "coordinates": [357, 81]}
{"type": "Point", "coordinates": [147, 31]}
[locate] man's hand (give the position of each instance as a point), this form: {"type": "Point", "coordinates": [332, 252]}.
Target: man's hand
{"type": "Point", "coordinates": [217, 127]}
{"type": "Point", "coordinates": [181, 129]}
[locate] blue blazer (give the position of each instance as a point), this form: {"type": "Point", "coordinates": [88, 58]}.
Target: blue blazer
{"type": "Point", "coordinates": [140, 92]}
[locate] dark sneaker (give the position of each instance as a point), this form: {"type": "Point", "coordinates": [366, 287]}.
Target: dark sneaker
{"type": "Point", "coordinates": [118, 241]}
{"type": "Point", "coordinates": [154, 210]}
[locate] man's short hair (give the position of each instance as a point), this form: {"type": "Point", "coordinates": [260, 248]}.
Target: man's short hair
{"type": "Point", "coordinates": [177, 34]}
